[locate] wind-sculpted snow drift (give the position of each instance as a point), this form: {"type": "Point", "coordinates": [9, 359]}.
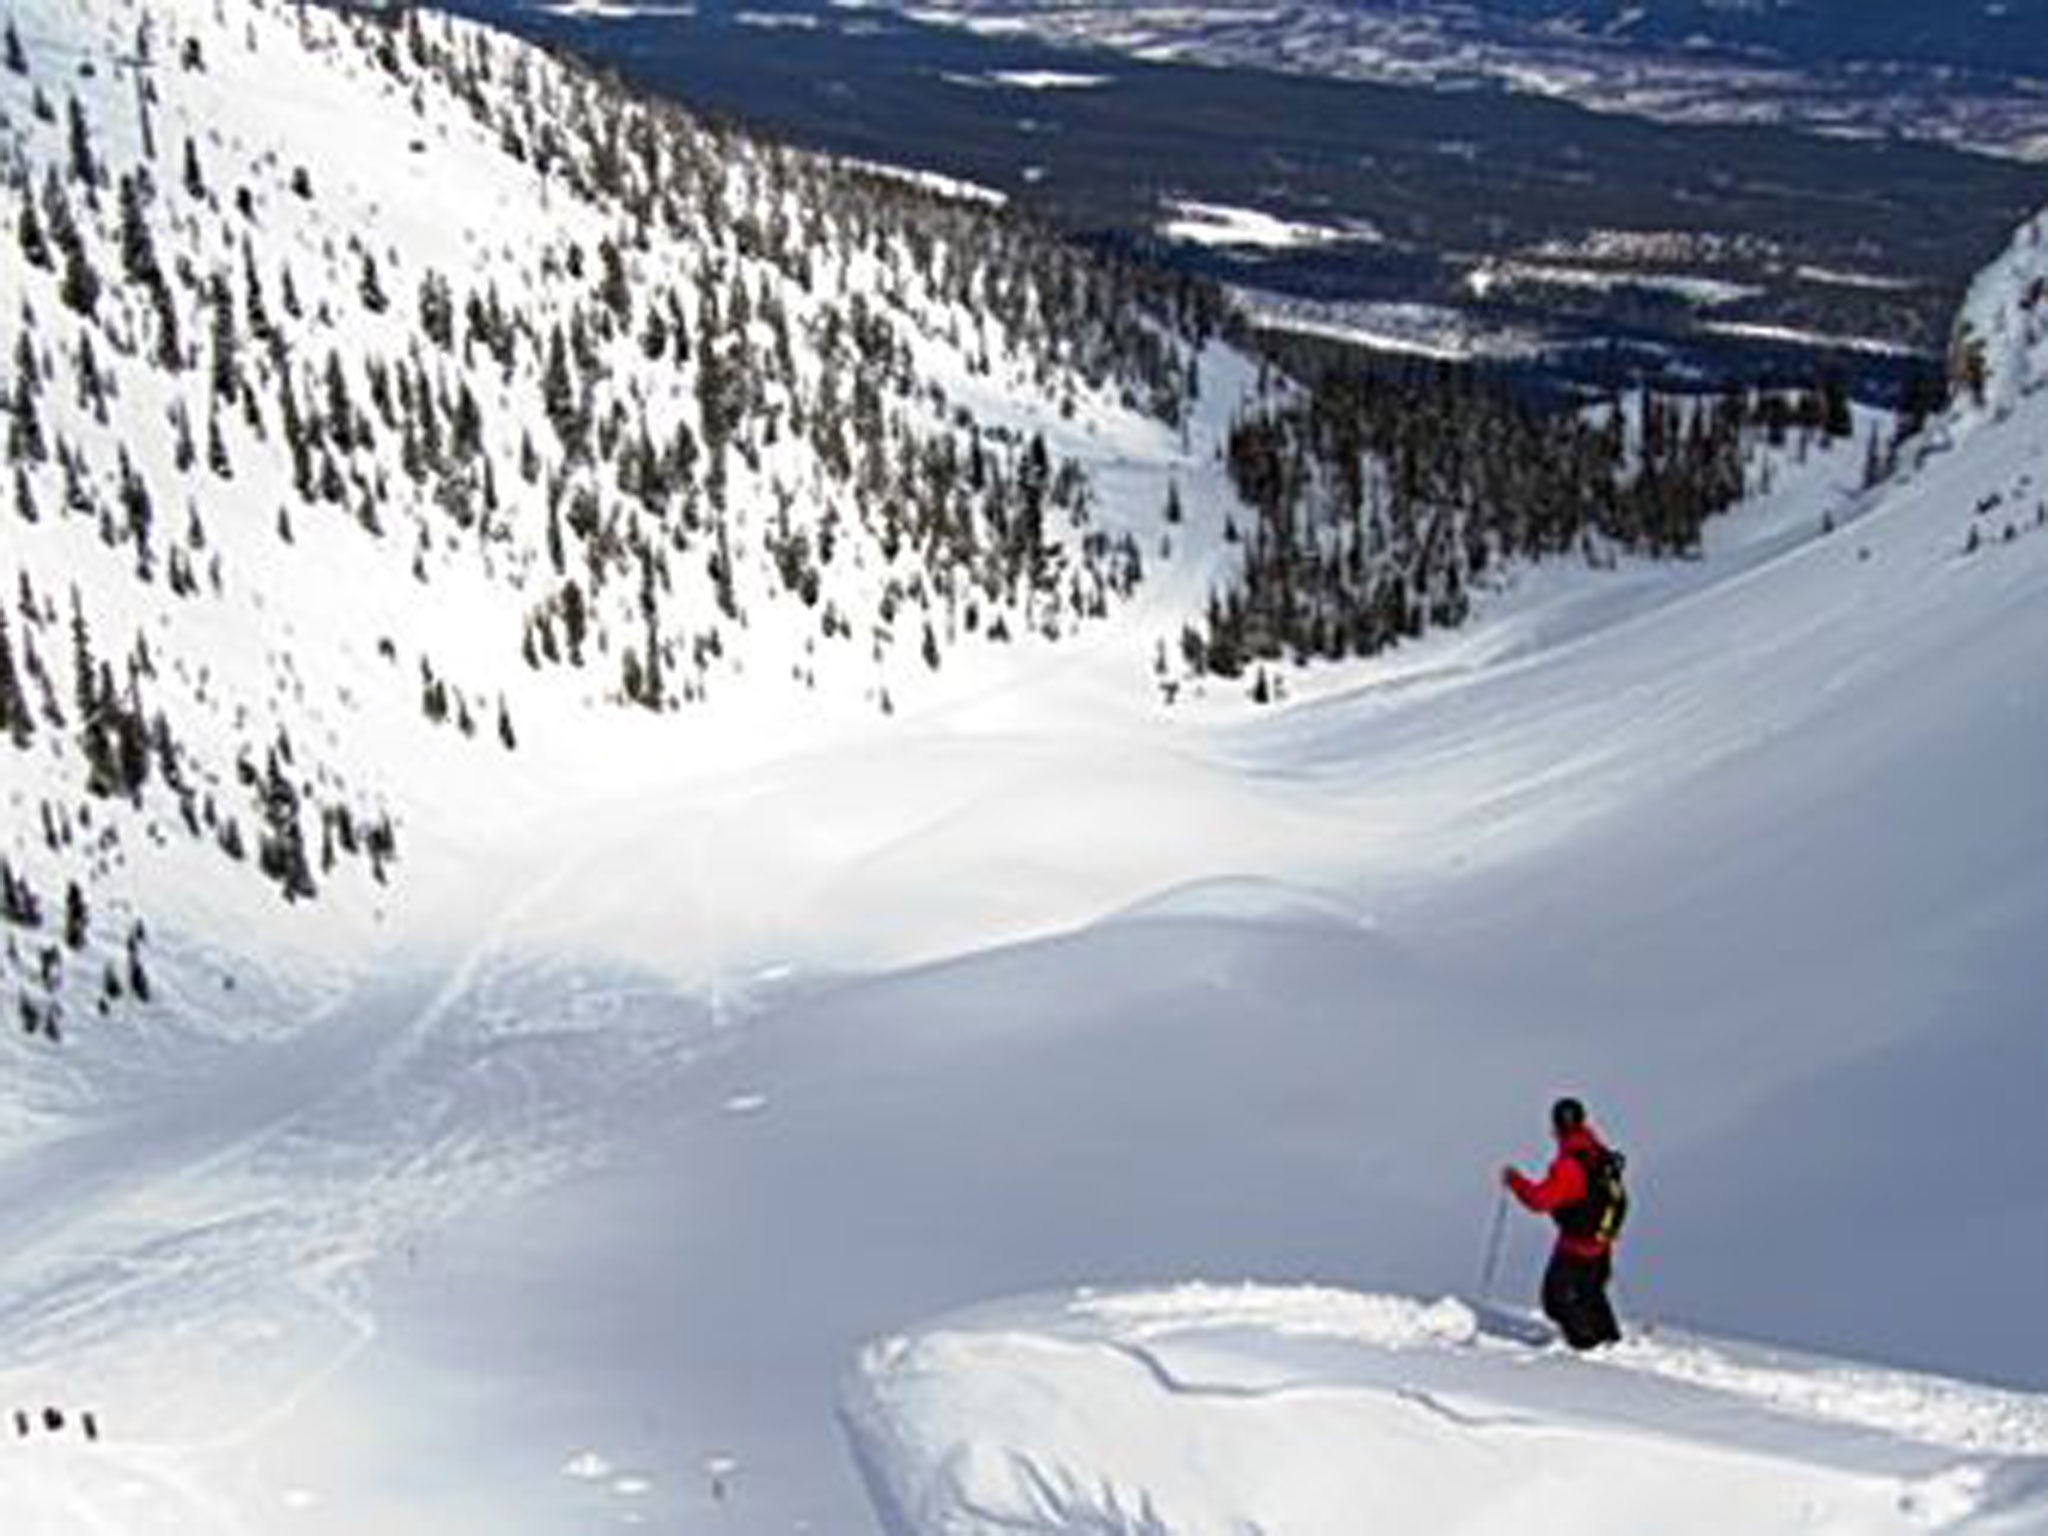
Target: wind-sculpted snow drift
{"type": "Point", "coordinates": [1214, 1411]}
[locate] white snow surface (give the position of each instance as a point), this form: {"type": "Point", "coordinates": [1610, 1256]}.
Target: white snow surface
{"type": "Point", "coordinates": [1048, 79]}
{"type": "Point", "coordinates": [555, 1190]}
{"type": "Point", "coordinates": [2006, 314]}
{"type": "Point", "coordinates": [1207, 1409]}
{"type": "Point", "coordinates": [1416, 329]}
{"type": "Point", "coordinates": [1218, 224]}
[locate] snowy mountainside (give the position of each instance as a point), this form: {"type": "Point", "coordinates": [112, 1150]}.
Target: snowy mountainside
{"type": "Point", "coordinates": [551, 1185]}
{"type": "Point", "coordinates": [375, 499]}
{"type": "Point", "coordinates": [1213, 1409]}
{"type": "Point", "coordinates": [1044, 986]}
{"type": "Point", "coordinates": [1775, 902]}
{"type": "Point", "coordinates": [1999, 354]}
{"type": "Point", "coordinates": [365, 484]}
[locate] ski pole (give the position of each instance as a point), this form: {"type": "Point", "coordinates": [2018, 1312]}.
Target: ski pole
{"type": "Point", "coordinates": [1493, 1242]}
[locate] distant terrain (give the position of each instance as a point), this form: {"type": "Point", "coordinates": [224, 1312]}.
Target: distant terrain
{"type": "Point", "coordinates": [1448, 217]}
{"type": "Point", "coordinates": [1969, 75]}
{"type": "Point", "coordinates": [1999, 36]}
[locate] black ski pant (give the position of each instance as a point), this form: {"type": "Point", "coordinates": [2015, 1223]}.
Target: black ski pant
{"type": "Point", "coordinates": [1575, 1298]}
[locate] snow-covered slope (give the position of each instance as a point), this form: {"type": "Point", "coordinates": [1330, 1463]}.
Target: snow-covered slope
{"type": "Point", "coordinates": [1758, 868]}
{"type": "Point", "coordinates": [369, 489]}
{"type": "Point", "coordinates": [551, 1183]}
{"type": "Point", "coordinates": [2000, 351]}
{"type": "Point", "coordinates": [1205, 1411]}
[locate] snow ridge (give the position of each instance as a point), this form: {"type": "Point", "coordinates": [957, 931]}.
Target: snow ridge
{"type": "Point", "coordinates": [1204, 1409]}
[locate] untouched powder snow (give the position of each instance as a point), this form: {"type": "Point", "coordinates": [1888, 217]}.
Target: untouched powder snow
{"type": "Point", "coordinates": [1209, 1411]}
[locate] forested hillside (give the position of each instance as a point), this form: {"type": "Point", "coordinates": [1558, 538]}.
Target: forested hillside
{"type": "Point", "coordinates": [518, 396]}
{"type": "Point", "coordinates": [349, 465]}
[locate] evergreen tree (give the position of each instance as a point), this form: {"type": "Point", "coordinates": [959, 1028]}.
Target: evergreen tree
{"type": "Point", "coordinates": [437, 311]}
{"type": "Point", "coordinates": [612, 289]}
{"type": "Point", "coordinates": [17, 721]}
{"type": "Point", "coordinates": [281, 850]}
{"type": "Point", "coordinates": [84, 671]}
{"type": "Point", "coordinates": [183, 454]}
{"type": "Point", "coordinates": [138, 977]}
{"type": "Point", "coordinates": [92, 385]}
{"type": "Point", "coordinates": [340, 411]}
{"type": "Point", "coordinates": [138, 510]}
{"type": "Point", "coordinates": [170, 351]}
{"type": "Point", "coordinates": [217, 448]}
{"type": "Point", "coordinates": [80, 289]}
{"type": "Point", "coordinates": [57, 216]}
{"type": "Point", "coordinates": [1836, 419]}
{"type": "Point", "coordinates": [24, 497]}
{"type": "Point", "coordinates": [77, 919]}
{"type": "Point", "coordinates": [18, 901]}
{"type": "Point", "coordinates": [17, 57]}
{"type": "Point", "coordinates": [25, 442]}
{"type": "Point", "coordinates": [138, 246]}
{"type": "Point", "coordinates": [574, 620]}
{"type": "Point", "coordinates": [1919, 398]}
{"type": "Point", "coordinates": [35, 247]}
{"type": "Point", "coordinates": [295, 436]}
{"type": "Point", "coordinates": [257, 311]}
{"type": "Point", "coordinates": [1970, 368]}
{"type": "Point", "coordinates": [557, 389]}
{"type": "Point", "coordinates": [371, 287]}
{"type": "Point", "coordinates": [85, 168]}
{"type": "Point", "coordinates": [226, 370]}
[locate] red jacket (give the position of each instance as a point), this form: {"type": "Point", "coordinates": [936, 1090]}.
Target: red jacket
{"type": "Point", "coordinates": [1564, 1185]}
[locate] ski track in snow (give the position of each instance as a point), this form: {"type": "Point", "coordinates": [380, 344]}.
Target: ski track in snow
{"type": "Point", "coordinates": [228, 1243]}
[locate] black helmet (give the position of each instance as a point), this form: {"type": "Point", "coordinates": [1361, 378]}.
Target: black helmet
{"type": "Point", "coordinates": [1567, 1115]}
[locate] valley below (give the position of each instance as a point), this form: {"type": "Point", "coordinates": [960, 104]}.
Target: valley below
{"type": "Point", "coordinates": [1415, 216]}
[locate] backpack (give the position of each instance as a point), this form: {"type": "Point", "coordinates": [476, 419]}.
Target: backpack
{"type": "Point", "coordinates": [1607, 1193]}
{"type": "Point", "coordinates": [1605, 1207]}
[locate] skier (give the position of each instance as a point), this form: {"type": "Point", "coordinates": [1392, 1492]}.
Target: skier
{"type": "Point", "coordinates": [1582, 1194]}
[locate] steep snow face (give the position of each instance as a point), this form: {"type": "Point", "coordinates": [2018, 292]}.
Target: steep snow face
{"type": "Point", "coordinates": [2000, 352]}
{"type": "Point", "coordinates": [1207, 1411]}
